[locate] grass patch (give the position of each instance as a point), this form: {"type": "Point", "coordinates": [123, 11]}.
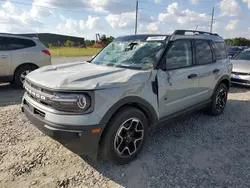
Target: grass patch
{"type": "Point", "coordinates": [66, 51]}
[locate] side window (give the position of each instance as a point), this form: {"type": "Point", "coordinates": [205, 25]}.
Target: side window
{"type": "Point", "coordinates": [179, 55]}
{"type": "Point", "coordinates": [3, 44]}
{"type": "Point", "coordinates": [220, 50]}
{"type": "Point", "coordinates": [16, 43]}
{"type": "Point", "coordinates": [203, 51]}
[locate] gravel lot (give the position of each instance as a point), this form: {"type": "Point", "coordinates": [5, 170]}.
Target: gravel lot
{"type": "Point", "coordinates": [196, 151]}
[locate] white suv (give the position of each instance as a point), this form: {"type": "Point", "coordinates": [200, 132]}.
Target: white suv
{"type": "Point", "coordinates": [19, 56]}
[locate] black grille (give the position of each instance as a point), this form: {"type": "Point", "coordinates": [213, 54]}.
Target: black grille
{"type": "Point", "coordinates": [240, 73]}
{"type": "Point", "coordinates": [40, 88]}
{"type": "Point", "coordinates": [39, 94]}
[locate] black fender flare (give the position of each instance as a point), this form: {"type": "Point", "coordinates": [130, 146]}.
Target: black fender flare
{"type": "Point", "coordinates": [223, 78]}
{"type": "Point", "coordinates": [138, 102]}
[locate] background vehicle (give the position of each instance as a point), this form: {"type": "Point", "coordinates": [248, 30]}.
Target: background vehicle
{"type": "Point", "coordinates": [241, 68]}
{"type": "Point", "coordinates": [19, 56]}
{"type": "Point", "coordinates": [133, 84]}
{"type": "Point", "coordinates": [232, 51]}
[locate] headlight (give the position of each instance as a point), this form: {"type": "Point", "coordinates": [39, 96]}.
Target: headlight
{"type": "Point", "coordinates": [77, 103]}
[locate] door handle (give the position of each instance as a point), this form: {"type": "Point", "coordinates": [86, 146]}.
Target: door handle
{"type": "Point", "coordinates": [191, 76]}
{"type": "Point", "coordinates": [3, 56]}
{"type": "Point", "coordinates": [216, 70]}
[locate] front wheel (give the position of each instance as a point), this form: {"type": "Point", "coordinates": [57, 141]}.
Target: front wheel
{"type": "Point", "coordinates": [125, 136]}
{"type": "Point", "coordinates": [219, 100]}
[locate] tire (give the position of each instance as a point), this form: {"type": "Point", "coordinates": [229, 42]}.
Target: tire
{"type": "Point", "coordinates": [117, 125]}
{"type": "Point", "coordinates": [216, 108]}
{"type": "Point", "coordinates": [21, 71]}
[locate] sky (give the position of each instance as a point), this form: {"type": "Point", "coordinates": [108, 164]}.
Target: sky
{"type": "Point", "coordinates": [85, 18]}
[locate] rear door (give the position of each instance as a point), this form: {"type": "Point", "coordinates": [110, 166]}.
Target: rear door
{"type": "Point", "coordinates": [5, 58]}
{"type": "Point", "coordinates": [210, 63]}
{"type": "Point", "coordinates": [178, 84]}
{"type": "Point", "coordinates": [22, 51]}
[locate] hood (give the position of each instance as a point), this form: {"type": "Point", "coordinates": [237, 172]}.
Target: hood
{"type": "Point", "coordinates": [241, 66]}
{"type": "Point", "coordinates": [86, 76]}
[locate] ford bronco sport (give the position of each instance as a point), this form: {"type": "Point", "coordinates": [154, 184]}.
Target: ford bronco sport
{"type": "Point", "coordinates": [109, 104]}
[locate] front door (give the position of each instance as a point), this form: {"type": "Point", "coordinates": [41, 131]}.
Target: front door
{"type": "Point", "coordinates": [178, 84]}
{"type": "Point", "coordinates": [5, 58]}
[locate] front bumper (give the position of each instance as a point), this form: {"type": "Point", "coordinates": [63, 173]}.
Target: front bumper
{"type": "Point", "coordinates": [78, 139]}
{"type": "Point", "coordinates": [241, 80]}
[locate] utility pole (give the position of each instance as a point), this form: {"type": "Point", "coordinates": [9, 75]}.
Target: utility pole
{"type": "Point", "coordinates": [212, 21]}
{"type": "Point", "coordinates": [136, 16]}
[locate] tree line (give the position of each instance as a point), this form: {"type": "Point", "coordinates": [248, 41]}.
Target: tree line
{"type": "Point", "coordinates": [239, 41]}
{"type": "Point", "coordinates": [104, 40]}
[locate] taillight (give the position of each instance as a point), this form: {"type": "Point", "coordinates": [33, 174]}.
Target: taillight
{"type": "Point", "coordinates": [46, 52]}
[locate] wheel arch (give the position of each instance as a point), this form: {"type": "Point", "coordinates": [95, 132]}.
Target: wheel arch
{"type": "Point", "coordinates": [132, 101]}
{"type": "Point", "coordinates": [225, 80]}
{"type": "Point", "coordinates": [24, 64]}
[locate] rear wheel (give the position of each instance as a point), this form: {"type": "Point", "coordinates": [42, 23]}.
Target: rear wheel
{"type": "Point", "coordinates": [219, 100]}
{"type": "Point", "coordinates": [126, 134]}
{"type": "Point", "coordinates": [21, 73]}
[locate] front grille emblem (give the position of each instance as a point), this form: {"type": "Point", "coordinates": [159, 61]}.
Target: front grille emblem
{"type": "Point", "coordinates": [34, 94]}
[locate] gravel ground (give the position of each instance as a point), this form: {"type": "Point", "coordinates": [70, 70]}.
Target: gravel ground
{"type": "Point", "coordinates": [196, 151]}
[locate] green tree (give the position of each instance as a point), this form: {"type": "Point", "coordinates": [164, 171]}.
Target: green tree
{"type": "Point", "coordinates": [106, 40]}
{"type": "Point", "coordinates": [69, 43]}
{"type": "Point", "coordinates": [110, 39]}
{"type": "Point", "coordinates": [239, 41]}
{"type": "Point", "coordinates": [50, 45]}
{"type": "Point", "coordinates": [89, 42]}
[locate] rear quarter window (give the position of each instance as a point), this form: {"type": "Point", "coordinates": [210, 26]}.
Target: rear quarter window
{"type": "Point", "coordinates": [17, 43]}
{"type": "Point", "coordinates": [219, 50]}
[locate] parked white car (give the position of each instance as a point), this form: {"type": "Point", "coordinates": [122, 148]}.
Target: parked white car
{"type": "Point", "coordinates": [19, 56]}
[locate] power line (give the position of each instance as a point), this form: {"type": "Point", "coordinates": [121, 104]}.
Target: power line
{"type": "Point", "coordinates": [57, 8]}
{"type": "Point", "coordinates": [71, 10]}
{"type": "Point", "coordinates": [162, 5]}
{"type": "Point", "coordinates": [113, 2]}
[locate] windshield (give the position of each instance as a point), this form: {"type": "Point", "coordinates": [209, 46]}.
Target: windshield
{"type": "Point", "coordinates": [243, 56]}
{"type": "Point", "coordinates": [130, 54]}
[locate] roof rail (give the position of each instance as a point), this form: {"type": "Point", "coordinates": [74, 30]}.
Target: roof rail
{"type": "Point", "coordinates": [183, 32]}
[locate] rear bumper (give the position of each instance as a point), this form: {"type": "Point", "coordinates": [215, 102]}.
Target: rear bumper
{"type": "Point", "coordinates": [80, 140]}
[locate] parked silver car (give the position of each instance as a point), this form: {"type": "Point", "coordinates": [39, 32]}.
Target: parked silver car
{"type": "Point", "coordinates": [19, 56]}
{"type": "Point", "coordinates": [241, 68]}
{"type": "Point", "coordinates": [232, 51]}
{"type": "Point", "coordinates": [110, 104]}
